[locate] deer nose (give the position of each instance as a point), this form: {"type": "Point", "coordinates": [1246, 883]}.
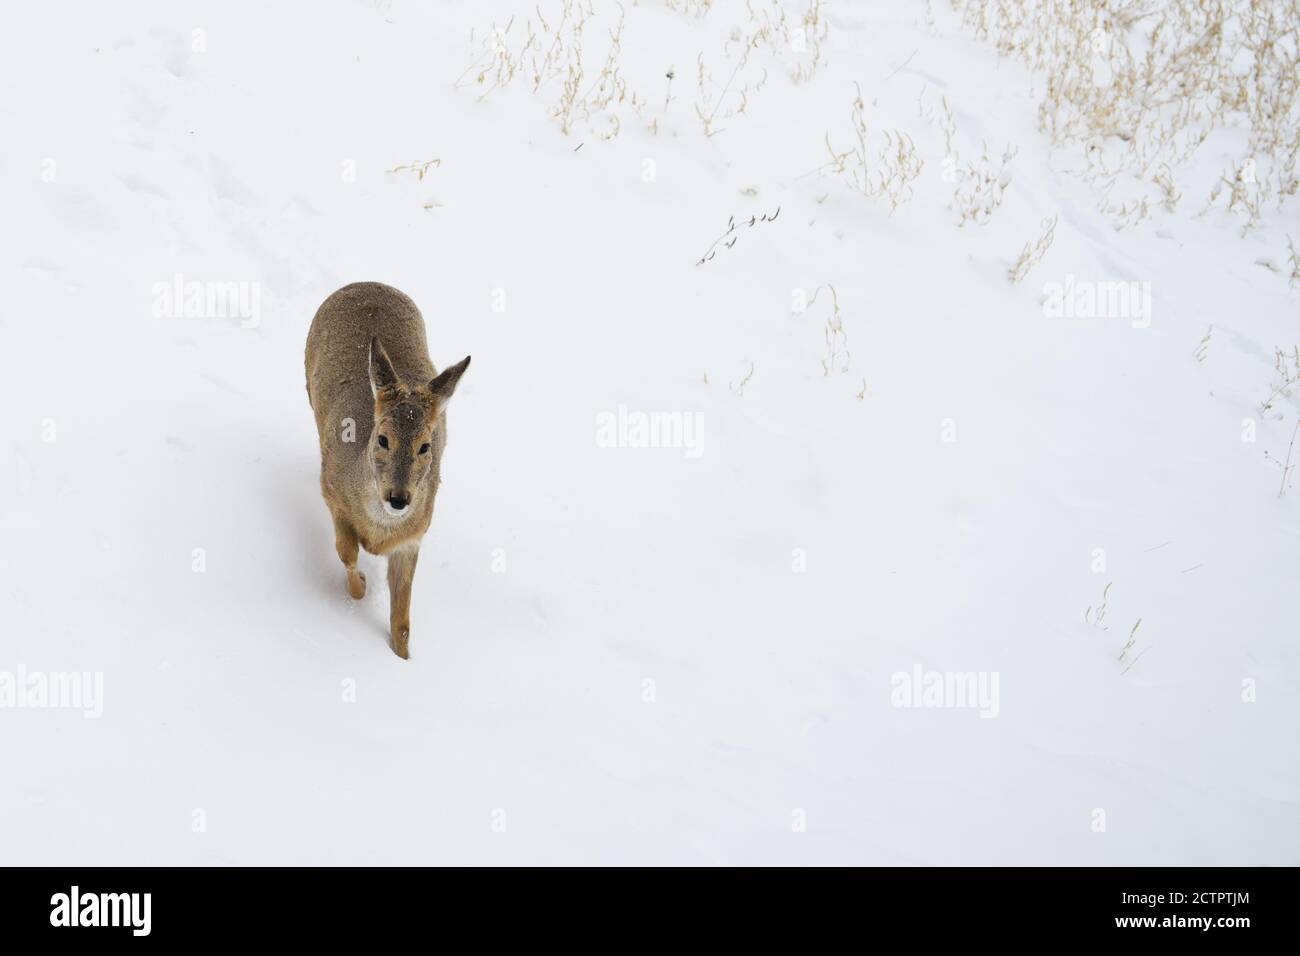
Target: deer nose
{"type": "Point", "coordinates": [398, 502]}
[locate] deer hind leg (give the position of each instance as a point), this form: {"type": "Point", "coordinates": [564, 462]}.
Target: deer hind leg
{"type": "Point", "coordinates": [345, 541]}
{"type": "Point", "coordinates": [401, 571]}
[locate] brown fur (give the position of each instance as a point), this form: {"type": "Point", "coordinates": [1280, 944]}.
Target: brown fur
{"type": "Point", "coordinates": [368, 365]}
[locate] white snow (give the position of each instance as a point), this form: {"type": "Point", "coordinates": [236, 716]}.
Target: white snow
{"type": "Point", "coordinates": [621, 654]}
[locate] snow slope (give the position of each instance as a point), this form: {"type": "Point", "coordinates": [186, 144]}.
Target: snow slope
{"type": "Point", "coordinates": [623, 655]}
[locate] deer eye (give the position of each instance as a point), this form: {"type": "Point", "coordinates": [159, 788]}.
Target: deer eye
{"type": "Point", "coordinates": [383, 441]}
{"type": "Point", "coordinates": [424, 449]}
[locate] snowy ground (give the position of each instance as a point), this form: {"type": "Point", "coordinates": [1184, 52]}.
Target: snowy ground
{"type": "Point", "coordinates": [624, 655]}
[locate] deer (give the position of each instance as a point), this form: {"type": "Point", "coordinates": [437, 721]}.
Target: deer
{"type": "Point", "coordinates": [381, 415]}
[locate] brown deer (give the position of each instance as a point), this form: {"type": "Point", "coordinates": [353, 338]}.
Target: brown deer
{"type": "Point", "coordinates": [381, 412]}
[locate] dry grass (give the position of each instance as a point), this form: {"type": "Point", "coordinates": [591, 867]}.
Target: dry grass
{"type": "Point", "coordinates": [792, 41]}
{"type": "Point", "coordinates": [981, 184]}
{"type": "Point", "coordinates": [1128, 646]}
{"type": "Point", "coordinates": [837, 357]}
{"type": "Point", "coordinates": [1097, 616]}
{"type": "Point", "coordinates": [1033, 252]}
{"type": "Point", "coordinates": [878, 171]}
{"type": "Point", "coordinates": [420, 169]}
{"type": "Point", "coordinates": [1203, 347]}
{"type": "Point", "coordinates": [573, 52]}
{"type": "Point", "coordinates": [1286, 466]}
{"type": "Point", "coordinates": [739, 387]}
{"type": "Point", "coordinates": [731, 234]}
{"type": "Point", "coordinates": [981, 187]}
{"type": "Point", "coordinates": [548, 52]}
{"type": "Point", "coordinates": [1286, 375]}
{"type": "Point", "coordinates": [1139, 86]}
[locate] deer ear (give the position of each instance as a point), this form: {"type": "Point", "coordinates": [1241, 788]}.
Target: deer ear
{"type": "Point", "coordinates": [445, 384]}
{"type": "Point", "coordinates": [382, 374]}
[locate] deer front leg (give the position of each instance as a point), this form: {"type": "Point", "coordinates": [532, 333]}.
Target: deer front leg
{"type": "Point", "coordinates": [345, 541]}
{"type": "Point", "coordinates": [401, 571]}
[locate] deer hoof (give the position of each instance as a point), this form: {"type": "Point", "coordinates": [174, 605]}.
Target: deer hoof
{"type": "Point", "coordinates": [356, 585]}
